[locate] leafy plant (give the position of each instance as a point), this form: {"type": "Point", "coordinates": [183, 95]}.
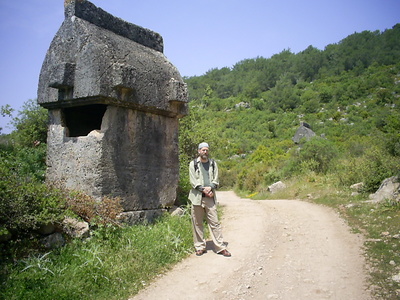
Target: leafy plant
{"type": "Point", "coordinates": [31, 124]}
{"type": "Point", "coordinates": [25, 202]}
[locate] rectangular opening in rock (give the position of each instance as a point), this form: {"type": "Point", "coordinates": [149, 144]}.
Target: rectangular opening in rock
{"type": "Point", "coordinates": [81, 120]}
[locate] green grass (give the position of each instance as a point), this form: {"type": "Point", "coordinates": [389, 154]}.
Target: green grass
{"type": "Point", "coordinates": [114, 263]}
{"type": "Point", "coordinates": [380, 224]}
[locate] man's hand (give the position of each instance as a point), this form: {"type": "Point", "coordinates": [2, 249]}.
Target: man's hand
{"type": "Point", "coordinates": [208, 192]}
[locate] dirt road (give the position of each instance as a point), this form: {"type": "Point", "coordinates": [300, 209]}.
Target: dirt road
{"type": "Point", "coordinates": [281, 249]}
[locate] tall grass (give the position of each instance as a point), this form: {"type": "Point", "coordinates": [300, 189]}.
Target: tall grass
{"type": "Point", "coordinates": [114, 263]}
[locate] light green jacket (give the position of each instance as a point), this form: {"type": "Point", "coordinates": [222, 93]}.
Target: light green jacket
{"type": "Point", "coordinates": [196, 179]}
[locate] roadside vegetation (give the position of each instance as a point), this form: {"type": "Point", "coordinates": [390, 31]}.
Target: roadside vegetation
{"type": "Point", "coordinates": [115, 263]}
{"type": "Point", "coordinates": [348, 93]}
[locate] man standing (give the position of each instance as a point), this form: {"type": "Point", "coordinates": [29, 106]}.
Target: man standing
{"type": "Point", "coordinates": [203, 174]}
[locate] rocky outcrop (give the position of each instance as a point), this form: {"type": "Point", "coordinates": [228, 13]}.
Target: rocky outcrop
{"type": "Point", "coordinates": [389, 190]}
{"type": "Point", "coordinates": [304, 131]}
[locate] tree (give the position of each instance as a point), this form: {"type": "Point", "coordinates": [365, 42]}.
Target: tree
{"type": "Point", "coordinates": [309, 62]}
{"type": "Point", "coordinates": [319, 154]}
{"type": "Point", "coordinates": [31, 124]}
{"type": "Point", "coordinates": [5, 111]}
{"type": "Point", "coordinates": [284, 95]}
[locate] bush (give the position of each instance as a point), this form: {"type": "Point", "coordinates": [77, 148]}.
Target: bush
{"type": "Point", "coordinates": [371, 168]}
{"type": "Point", "coordinates": [317, 155]}
{"type": "Point", "coordinates": [25, 201]}
{"type": "Point", "coordinates": [31, 124]}
{"type": "Point", "coordinates": [102, 212]}
{"type": "Point", "coordinates": [229, 174]}
{"type": "Point", "coordinates": [26, 204]}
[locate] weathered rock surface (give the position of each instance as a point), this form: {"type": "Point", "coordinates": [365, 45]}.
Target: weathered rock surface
{"type": "Point", "coordinates": [75, 228]}
{"type": "Point", "coordinates": [139, 217]}
{"type": "Point", "coordinates": [55, 240]}
{"type": "Point", "coordinates": [304, 131]}
{"type": "Point", "coordinates": [114, 102]}
{"type": "Point", "coordinates": [389, 190]}
{"type": "Point", "coordinates": [357, 186]}
{"type": "Point", "coordinates": [96, 58]}
{"type": "Point", "coordinates": [277, 186]}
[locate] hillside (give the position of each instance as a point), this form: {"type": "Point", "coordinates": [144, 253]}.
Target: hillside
{"type": "Point", "coordinates": [349, 93]}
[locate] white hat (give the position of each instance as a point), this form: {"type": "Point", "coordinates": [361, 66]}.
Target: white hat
{"type": "Point", "coordinates": [202, 145]}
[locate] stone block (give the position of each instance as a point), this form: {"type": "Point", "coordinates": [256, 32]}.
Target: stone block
{"type": "Point", "coordinates": [114, 102]}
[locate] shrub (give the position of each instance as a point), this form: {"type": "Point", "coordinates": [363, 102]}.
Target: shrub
{"type": "Point", "coordinates": [251, 178]}
{"type": "Point", "coordinates": [100, 212]}
{"type": "Point", "coordinates": [25, 202]}
{"type": "Point", "coordinates": [229, 175]}
{"type": "Point", "coordinates": [375, 165]}
{"type": "Point", "coordinates": [316, 155]}
{"type": "Point", "coordinates": [31, 124]}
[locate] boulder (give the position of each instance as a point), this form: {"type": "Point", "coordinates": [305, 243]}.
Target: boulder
{"type": "Point", "coordinates": [357, 186]}
{"type": "Point", "coordinates": [303, 132]}
{"type": "Point", "coordinates": [46, 229]}
{"type": "Point", "coordinates": [75, 228]}
{"type": "Point", "coordinates": [389, 190]}
{"type": "Point", "coordinates": [396, 278]}
{"type": "Point", "coordinates": [177, 211]}
{"type": "Point", "coordinates": [242, 105]}
{"type": "Point", "coordinates": [277, 186]}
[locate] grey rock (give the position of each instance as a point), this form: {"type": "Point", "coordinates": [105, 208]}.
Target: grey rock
{"type": "Point", "coordinates": [303, 132]}
{"type": "Point", "coordinates": [388, 190]}
{"type": "Point", "coordinates": [75, 228]}
{"type": "Point", "coordinates": [396, 278]}
{"type": "Point", "coordinates": [177, 211]}
{"type": "Point", "coordinates": [55, 240]}
{"type": "Point", "coordinates": [242, 105]}
{"type": "Point", "coordinates": [139, 217]}
{"type": "Point", "coordinates": [47, 229]}
{"type": "Point", "coordinates": [357, 186]}
{"type": "Point", "coordinates": [114, 102]}
{"type": "Point", "coordinates": [277, 186]}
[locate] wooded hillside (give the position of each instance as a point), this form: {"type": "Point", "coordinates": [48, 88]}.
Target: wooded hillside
{"type": "Point", "coordinates": [349, 93]}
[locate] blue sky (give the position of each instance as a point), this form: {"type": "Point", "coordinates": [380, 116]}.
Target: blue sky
{"type": "Point", "coordinates": [198, 35]}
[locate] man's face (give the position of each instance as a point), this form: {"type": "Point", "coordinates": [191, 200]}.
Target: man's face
{"type": "Point", "coordinates": [203, 152]}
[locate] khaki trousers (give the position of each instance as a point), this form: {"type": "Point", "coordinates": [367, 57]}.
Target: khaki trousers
{"type": "Point", "coordinates": [208, 208]}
